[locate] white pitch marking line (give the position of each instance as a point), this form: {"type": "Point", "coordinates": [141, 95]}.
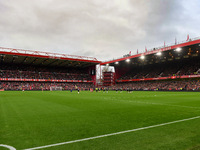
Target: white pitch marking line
{"type": "Point", "coordinates": [111, 134]}
{"type": "Point", "coordinates": [7, 146]}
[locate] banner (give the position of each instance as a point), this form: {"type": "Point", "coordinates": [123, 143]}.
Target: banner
{"type": "Point", "coordinates": [161, 78]}
{"type": "Point", "coordinates": [44, 80]}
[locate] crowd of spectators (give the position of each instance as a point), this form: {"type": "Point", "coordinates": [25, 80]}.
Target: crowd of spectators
{"type": "Point", "coordinates": [49, 73]}
{"type": "Point", "coordinates": [189, 85]}
{"type": "Point", "coordinates": [173, 85]}
{"type": "Point", "coordinates": [44, 86]}
{"type": "Point", "coordinates": [190, 67]}
{"type": "Point", "coordinates": [31, 72]}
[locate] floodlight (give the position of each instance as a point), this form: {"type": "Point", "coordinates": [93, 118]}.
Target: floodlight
{"type": "Point", "coordinates": [128, 60]}
{"type": "Point", "coordinates": [159, 54]}
{"type": "Point", "coordinates": [178, 49]}
{"type": "Point", "coordinates": [142, 57]}
{"type": "Point", "coordinates": [116, 62]}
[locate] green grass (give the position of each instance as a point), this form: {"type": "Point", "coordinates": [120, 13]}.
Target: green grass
{"type": "Point", "coordinates": [32, 119]}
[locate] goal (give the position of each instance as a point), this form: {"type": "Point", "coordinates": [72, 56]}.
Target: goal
{"type": "Point", "coordinates": [56, 88]}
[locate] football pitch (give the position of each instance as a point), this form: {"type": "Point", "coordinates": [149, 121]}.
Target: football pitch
{"type": "Point", "coordinates": [61, 120]}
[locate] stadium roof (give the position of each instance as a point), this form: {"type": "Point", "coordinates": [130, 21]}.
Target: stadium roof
{"type": "Point", "coordinates": [30, 57]}
{"type": "Point", "coordinates": [190, 48]}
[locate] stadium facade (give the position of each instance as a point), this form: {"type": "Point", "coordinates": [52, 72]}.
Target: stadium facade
{"type": "Point", "coordinates": [174, 67]}
{"type": "Point", "coordinates": [35, 70]}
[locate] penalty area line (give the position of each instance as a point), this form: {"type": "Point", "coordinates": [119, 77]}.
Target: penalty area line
{"type": "Point", "coordinates": [111, 134]}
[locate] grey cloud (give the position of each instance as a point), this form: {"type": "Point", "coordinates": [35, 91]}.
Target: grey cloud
{"type": "Point", "coordinates": [103, 29]}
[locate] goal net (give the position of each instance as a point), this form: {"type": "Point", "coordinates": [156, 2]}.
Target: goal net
{"type": "Point", "coordinates": [56, 88]}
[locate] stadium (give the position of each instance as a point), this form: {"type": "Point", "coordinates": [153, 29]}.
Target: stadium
{"type": "Point", "coordinates": [171, 68]}
{"type": "Point", "coordinates": [35, 70]}
{"type": "Point", "coordinates": [77, 75]}
{"type": "Point", "coordinates": [40, 107]}
{"type": "Point", "coordinates": [175, 67]}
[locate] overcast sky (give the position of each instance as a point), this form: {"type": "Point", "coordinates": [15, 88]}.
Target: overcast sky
{"type": "Point", "coordinates": [104, 29]}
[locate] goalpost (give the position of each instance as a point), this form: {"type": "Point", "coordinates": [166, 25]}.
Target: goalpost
{"type": "Point", "coordinates": [56, 88]}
